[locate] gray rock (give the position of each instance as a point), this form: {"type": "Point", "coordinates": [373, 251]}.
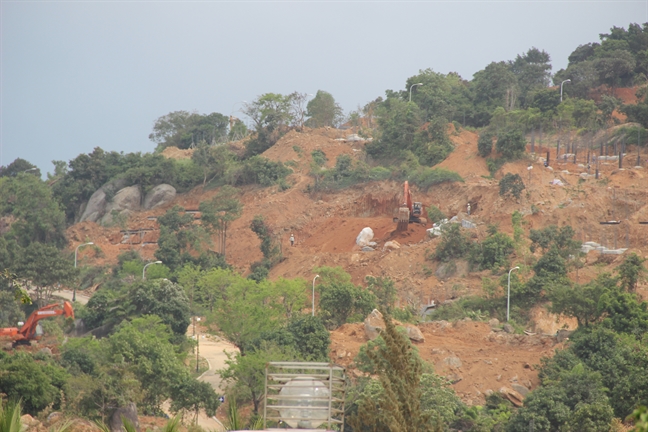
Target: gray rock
{"type": "Point", "coordinates": [452, 361]}
{"type": "Point", "coordinates": [520, 389]}
{"type": "Point", "coordinates": [562, 335]}
{"type": "Point", "coordinates": [159, 196]}
{"type": "Point", "coordinates": [128, 198]}
{"type": "Point", "coordinates": [445, 270]}
{"type": "Point", "coordinates": [367, 249]}
{"type": "Point", "coordinates": [96, 206]}
{"type": "Point", "coordinates": [508, 328]}
{"type": "Point", "coordinates": [45, 351]}
{"type": "Point", "coordinates": [374, 324]}
{"type": "Point", "coordinates": [493, 322]}
{"type": "Point", "coordinates": [453, 378]}
{"type": "Point", "coordinates": [129, 412]}
{"type": "Point", "coordinates": [414, 333]}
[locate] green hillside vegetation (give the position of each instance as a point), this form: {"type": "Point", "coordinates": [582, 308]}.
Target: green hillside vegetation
{"type": "Point", "coordinates": [141, 352]}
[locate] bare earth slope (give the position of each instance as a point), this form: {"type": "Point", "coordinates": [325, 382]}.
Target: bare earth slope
{"type": "Point", "coordinates": [325, 226]}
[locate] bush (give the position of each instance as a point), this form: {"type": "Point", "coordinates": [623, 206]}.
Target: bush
{"type": "Point", "coordinates": [454, 244]}
{"type": "Point", "coordinates": [511, 144]}
{"type": "Point", "coordinates": [425, 178]}
{"type": "Point", "coordinates": [435, 214]}
{"type": "Point", "coordinates": [493, 252]}
{"type": "Point", "coordinates": [511, 184]}
{"type": "Point", "coordinates": [485, 144]}
{"type": "Point", "coordinates": [319, 157]}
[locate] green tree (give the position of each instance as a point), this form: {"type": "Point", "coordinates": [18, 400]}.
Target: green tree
{"type": "Point", "coordinates": [311, 339]}
{"type": "Point", "coordinates": [19, 166]}
{"type": "Point", "coordinates": [243, 308]}
{"type": "Point", "coordinates": [246, 373]}
{"type": "Point", "coordinates": [272, 115]}
{"type": "Point", "coordinates": [493, 252]}
{"type": "Point", "coordinates": [533, 72]}
{"type": "Point", "coordinates": [45, 267]}
{"type": "Point", "coordinates": [511, 144]}
{"type": "Point", "coordinates": [341, 300]}
{"type": "Point", "coordinates": [219, 212]}
{"type": "Point", "coordinates": [511, 184]}
{"type": "Point", "coordinates": [399, 373]}
{"type": "Point", "coordinates": [631, 271]}
{"type": "Point", "coordinates": [37, 383]}
{"type": "Point", "coordinates": [552, 236]}
{"type": "Point", "coordinates": [454, 244]}
{"type": "Point", "coordinates": [183, 129]}
{"type": "Point", "coordinates": [485, 144]}
{"type": "Point", "coordinates": [384, 290]}
{"type": "Point", "coordinates": [323, 111]}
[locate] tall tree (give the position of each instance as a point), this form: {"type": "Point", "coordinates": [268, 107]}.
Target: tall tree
{"type": "Point", "coordinates": [399, 371]}
{"type": "Point", "coordinates": [533, 72]}
{"type": "Point", "coordinates": [219, 212]}
{"type": "Point", "coordinates": [183, 129]}
{"type": "Point", "coordinates": [323, 110]}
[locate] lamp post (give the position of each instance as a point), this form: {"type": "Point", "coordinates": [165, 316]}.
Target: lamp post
{"type": "Point", "coordinates": [197, 346]}
{"type": "Point", "coordinates": [417, 84]}
{"type": "Point", "coordinates": [316, 276]}
{"type": "Point", "coordinates": [75, 266]}
{"type": "Point", "coordinates": [508, 293]}
{"type": "Point", "coordinates": [144, 269]}
{"type": "Point", "coordinates": [561, 84]}
{"type": "Point", "coordinates": [30, 169]}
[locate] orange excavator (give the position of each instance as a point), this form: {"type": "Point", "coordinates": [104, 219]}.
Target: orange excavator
{"type": "Point", "coordinates": [29, 331]}
{"type": "Point", "coordinates": [409, 212]}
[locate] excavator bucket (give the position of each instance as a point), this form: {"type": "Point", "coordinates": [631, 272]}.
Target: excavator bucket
{"type": "Point", "coordinates": [403, 219]}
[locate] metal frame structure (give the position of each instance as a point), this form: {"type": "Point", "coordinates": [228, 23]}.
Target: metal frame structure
{"type": "Point", "coordinates": [278, 374]}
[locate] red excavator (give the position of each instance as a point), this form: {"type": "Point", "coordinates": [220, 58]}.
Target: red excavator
{"type": "Point", "coordinates": [28, 331]}
{"type": "Point", "coordinates": [409, 212]}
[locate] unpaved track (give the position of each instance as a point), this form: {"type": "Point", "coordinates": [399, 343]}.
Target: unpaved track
{"type": "Point", "coordinates": [212, 349]}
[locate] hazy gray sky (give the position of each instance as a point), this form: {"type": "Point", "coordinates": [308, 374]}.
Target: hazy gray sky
{"type": "Point", "coordinates": [80, 74]}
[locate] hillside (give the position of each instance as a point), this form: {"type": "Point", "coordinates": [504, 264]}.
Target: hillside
{"type": "Point", "coordinates": [325, 226]}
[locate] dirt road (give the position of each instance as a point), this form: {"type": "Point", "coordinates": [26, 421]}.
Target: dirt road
{"type": "Point", "coordinates": [212, 348]}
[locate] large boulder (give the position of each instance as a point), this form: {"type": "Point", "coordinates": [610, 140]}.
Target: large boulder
{"type": "Point", "coordinates": [128, 198]}
{"type": "Point", "coordinates": [374, 324]}
{"type": "Point", "coordinates": [96, 206]}
{"type": "Point", "coordinates": [414, 333]}
{"type": "Point", "coordinates": [129, 412]}
{"type": "Point", "coordinates": [158, 196]}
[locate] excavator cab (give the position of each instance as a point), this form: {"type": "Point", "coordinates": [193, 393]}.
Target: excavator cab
{"type": "Point", "coordinates": [417, 209]}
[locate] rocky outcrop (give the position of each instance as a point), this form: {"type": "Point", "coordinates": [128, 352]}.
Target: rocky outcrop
{"type": "Point", "coordinates": [374, 324]}
{"type": "Point", "coordinates": [127, 199]}
{"type": "Point", "coordinates": [414, 334]}
{"type": "Point", "coordinates": [115, 199]}
{"type": "Point", "coordinates": [159, 196]}
{"type": "Point", "coordinates": [129, 412]}
{"type": "Point", "coordinates": [96, 206]}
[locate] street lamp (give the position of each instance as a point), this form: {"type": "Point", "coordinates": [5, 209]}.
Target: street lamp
{"type": "Point", "coordinates": [508, 295]}
{"type": "Point", "coordinates": [144, 269]}
{"type": "Point", "coordinates": [561, 84]}
{"type": "Point", "coordinates": [75, 265]}
{"type": "Point", "coordinates": [316, 276]}
{"type": "Point", "coordinates": [30, 169]}
{"type": "Point", "coordinates": [417, 84]}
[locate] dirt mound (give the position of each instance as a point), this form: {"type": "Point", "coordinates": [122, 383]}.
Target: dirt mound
{"type": "Point", "coordinates": [472, 356]}
{"type": "Point", "coordinates": [176, 153]}
{"type": "Point", "coordinates": [464, 159]}
{"type": "Point", "coordinates": [295, 148]}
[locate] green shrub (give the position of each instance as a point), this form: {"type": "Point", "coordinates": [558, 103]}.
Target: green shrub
{"type": "Point", "coordinates": [454, 244]}
{"type": "Point", "coordinates": [319, 157]}
{"type": "Point", "coordinates": [485, 144]}
{"type": "Point", "coordinates": [435, 214]}
{"type": "Point", "coordinates": [511, 184]}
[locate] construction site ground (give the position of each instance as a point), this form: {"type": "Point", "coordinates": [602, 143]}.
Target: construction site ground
{"type": "Point", "coordinates": [325, 226]}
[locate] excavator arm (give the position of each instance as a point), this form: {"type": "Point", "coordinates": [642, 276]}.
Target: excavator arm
{"type": "Point", "coordinates": [28, 330]}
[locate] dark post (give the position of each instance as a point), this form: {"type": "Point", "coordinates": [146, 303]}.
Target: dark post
{"type": "Point", "coordinates": [533, 141]}
{"type": "Point", "coordinates": [620, 160]}
{"type": "Point", "coordinates": [547, 162]}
